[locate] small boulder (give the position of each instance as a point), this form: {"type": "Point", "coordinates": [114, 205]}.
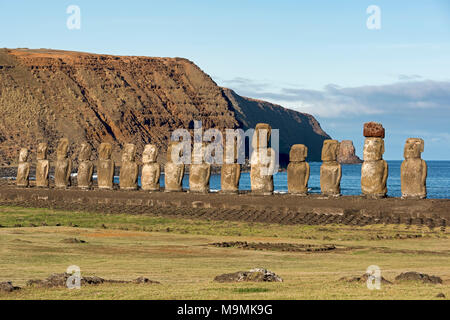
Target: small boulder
{"type": "Point", "coordinates": [374, 130]}
{"type": "Point", "coordinates": [254, 275]}
{"type": "Point", "coordinates": [417, 276]}
{"type": "Point", "coordinates": [8, 287]}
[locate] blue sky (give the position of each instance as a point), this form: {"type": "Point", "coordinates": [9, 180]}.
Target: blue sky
{"type": "Point", "coordinates": [313, 56]}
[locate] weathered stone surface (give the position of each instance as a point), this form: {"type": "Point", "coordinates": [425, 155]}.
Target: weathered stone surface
{"type": "Point", "coordinates": [129, 169]}
{"type": "Point", "coordinates": [230, 175]}
{"type": "Point", "coordinates": [151, 171]}
{"type": "Point", "coordinates": [42, 166]}
{"type": "Point", "coordinates": [346, 154]}
{"type": "Point", "coordinates": [330, 170]}
{"type": "Point", "coordinates": [105, 167]}
{"type": "Point", "coordinates": [374, 170]}
{"type": "Point", "coordinates": [261, 136]}
{"type": "Point", "coordinates": [23, 170]}
{"type": "Point", "coordinates": [173, 172]}
{"type": "Point", "coordinates": [85, 167]}
{"type": "Point", "coordinates": [262, 170]}
{"type": "Point", "coordinates": [200, 171]}
{"type": "Point", "coordinates": [414, 170]}
{"type": "Point", "coordinates": [374, 130]}
{"type": "Point", "coordinates": [63, 167]}
{"type": "Point", "coordinates": [298, 170]}
{"type": "Point", "coordinates": [418, 276]}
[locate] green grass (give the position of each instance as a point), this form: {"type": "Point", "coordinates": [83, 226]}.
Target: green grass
{"type": "Point", "coordinates": [124, 247]}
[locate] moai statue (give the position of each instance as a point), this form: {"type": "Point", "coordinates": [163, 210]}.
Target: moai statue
{"type": "Point", "coordinates": [173, 172]}
{"type": "Point", "coordinates": [129, 170]}
{"type": "Point", "coordinates": [85, 167]}
{"type": "Point", "coordinates": [151, 170]}
{"type": "Point", "coordinates": [298, 170]}
{"type": "Point", "coordinates": [262, 161]}
{"type": "Point", "coordinates": [231, 171]}
{"type": "Point", "coordinates": [414, 170]}
{"type": "Point", "coordinates": [23, 170]}
{"type": "Point", "coordinates": [42, 166]}
{"type": "Point", "coordinates": [331, 170]}
{"type": "Point", "coordinates": [63, 167]}
{"type": "Point", "coordinates": [374, 170]}
{"type": "Point", "coordinates": [200, 171]}
{"type": "Point", "coordinates": [105, 167]}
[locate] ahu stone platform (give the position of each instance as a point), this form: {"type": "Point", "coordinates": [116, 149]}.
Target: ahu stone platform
{"type": "Point", "coordinates": [277, 208]}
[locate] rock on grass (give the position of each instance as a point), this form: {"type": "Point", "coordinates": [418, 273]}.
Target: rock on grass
{"type": "Point", "coordinates": [417, 276]}
{"type": "Point", "coordinates": [254, 275]}
{"type": "Point", "coordinates": [8, 287]}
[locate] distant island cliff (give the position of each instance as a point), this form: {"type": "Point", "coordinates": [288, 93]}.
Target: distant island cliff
{"type": "Point", "coordinates": [49, 94]}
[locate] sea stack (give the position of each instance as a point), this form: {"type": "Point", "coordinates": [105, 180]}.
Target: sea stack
{"type": "Point", "coordinates": [331, 170]}
{"type": "Point", "coordinates": [151, 171]}
{"type": "Point", "coordinates": [23, 170]}
{"type": "Point", "coordinates": [298, 170]}
{"type": "Point", "coordinates": [347, 153]}
{"type": "Point", "coordinates": [42, 166]}
{"type": "Point", "coordinates": [262, 161]}
{"type": "Point", "coordinates": [105, 167]}
{"type": "Point", "coordinates": [85, 167]}
{"type": "Point", "coordinates": [414, 170]}
{"type": "Point", "coordinates": [374, 170]}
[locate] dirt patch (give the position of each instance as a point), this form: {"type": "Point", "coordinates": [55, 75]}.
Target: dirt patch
{"type": "Point", "coordinates": [254, 275]}
{"type": "Point", "coordinates": [73, 240]}
{"type": "Point", "coordinates": [289, 247]}
{"type": "Point", "coordinates": [60, 280]}
{"type": "Point", "coordinates": [8, 287]}
{"type": "Point", "coordinates": [417, 276]}
{"type": "Point", "coordinates": [364, 279]}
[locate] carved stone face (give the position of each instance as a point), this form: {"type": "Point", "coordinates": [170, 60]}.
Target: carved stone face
{"type": "Point", "coordinates": [42, 151]}
{"type": "Point", "coordinates": [85, 152]}
{"type": "Point", "coordinates": [173, 145]}
{"type": "Point", "coordinates": [373, 149]}
{"type": "Point", "coordinates": [150, 153]}
{"type": "Point", "coordinates": [23, 155]}
{"type": "Point", "coordinates": [104, 151]}
{"type": "Point", "coordinates": [129, 153]}
{"type": "Point", "coordinates": [413, 148]}
{"type": "Point", "coordinates": [63, 148]}
{"type": "Point", "coordinates": [330, 150]}
{"type": "Point", "coordinates": [261, 136]}
{"type": "Point", "coordinates": [298, 153]}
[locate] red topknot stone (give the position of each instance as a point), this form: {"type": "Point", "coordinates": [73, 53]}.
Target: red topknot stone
{"type": "Point", "coordinates": [373, 130]}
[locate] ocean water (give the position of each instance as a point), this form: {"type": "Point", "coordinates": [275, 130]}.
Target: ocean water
{"type": "Point", "coordinates": [438, 180]}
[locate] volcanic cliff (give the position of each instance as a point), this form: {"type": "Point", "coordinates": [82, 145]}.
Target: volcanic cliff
{"type": "Point", "coordinates": [49, 94]}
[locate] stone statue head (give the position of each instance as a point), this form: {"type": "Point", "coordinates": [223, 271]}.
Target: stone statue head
{"type": "Point", "coordinates": [298, 153]}
{"type": "Point", "coordinates": [173, 146]}
{"type": "Point", "coordinates": [62, 149]}
{"type": "Point", "coordinates": [85, 152]}
{"type": "Point", "coordinates": [373, 149]}
{"type": "Point", "coordinates": [23, 155]}
{"type": "Point", "coordinates": [413, 148]}
{"type": "Point", "coordinates": [150, 153]}
{"type": "Point", "coordinates": [330, 150]}
{"type": "Point", "coordinates": [261, 136]}
{"type": "Point", "coordinates": [129, 153]}
{"type": "Point", "coordinates": [42, 151]}
{"type": "Point", "coordinates": [104, 151]}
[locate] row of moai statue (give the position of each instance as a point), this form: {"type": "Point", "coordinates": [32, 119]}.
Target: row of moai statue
{"type": "Point", "coordinates": [374, 171]}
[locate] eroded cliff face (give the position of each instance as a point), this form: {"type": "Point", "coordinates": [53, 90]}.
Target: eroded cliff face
{"type": "Point", "coordinates": [49, 94]}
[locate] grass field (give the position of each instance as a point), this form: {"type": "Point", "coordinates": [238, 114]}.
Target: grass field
{"type": "Point", "coordinates": [177, 253]}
